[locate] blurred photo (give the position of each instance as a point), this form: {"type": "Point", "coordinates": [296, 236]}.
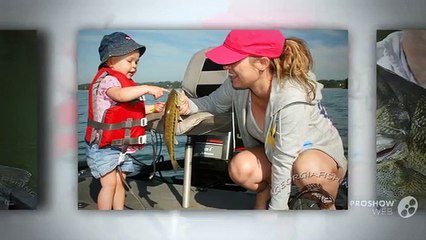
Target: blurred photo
{"type": "Point", "coordinates": [401, 115]}
{"type": "Point", "coordinates": [20, 67]}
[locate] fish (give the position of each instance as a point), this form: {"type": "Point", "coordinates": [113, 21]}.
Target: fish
{"type": "Point", "coordinates": [400, 138]}
{"type": "Point", "coordinates": [171, 118]}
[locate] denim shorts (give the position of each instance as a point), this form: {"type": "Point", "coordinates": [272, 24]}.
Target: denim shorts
{"type": "Point", "coordinates": [104, 160]}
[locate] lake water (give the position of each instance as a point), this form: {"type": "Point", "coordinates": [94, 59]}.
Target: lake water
{"type": "Point", "coordinates": [335, 101]}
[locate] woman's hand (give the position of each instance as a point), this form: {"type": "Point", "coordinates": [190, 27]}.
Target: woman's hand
{"type": "Point", "coordinates": [184, 105]}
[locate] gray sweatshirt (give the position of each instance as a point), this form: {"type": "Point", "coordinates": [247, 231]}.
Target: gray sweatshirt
{"type": "Point", "coordinates": [292, 125]}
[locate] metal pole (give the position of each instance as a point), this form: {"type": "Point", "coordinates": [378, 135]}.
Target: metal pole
{"type": "Point", "coordinates": [187, 172]}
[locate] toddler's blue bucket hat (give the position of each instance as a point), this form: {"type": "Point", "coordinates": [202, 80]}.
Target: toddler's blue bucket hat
{"type": "Point", "coordinates": [118, 44]}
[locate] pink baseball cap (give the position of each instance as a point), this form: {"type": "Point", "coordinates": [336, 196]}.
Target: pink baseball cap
{"type": "Point", "coordinates": [243, 43]}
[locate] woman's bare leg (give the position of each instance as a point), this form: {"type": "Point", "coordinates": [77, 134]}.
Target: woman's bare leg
{"type": "Point", "coordinates": [315, 166]}
{"type": "Point", "coordinates": [252, 170]}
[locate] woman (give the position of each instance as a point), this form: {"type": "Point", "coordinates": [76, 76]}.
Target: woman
{"type": "Point", "coordinates": [276, 102]}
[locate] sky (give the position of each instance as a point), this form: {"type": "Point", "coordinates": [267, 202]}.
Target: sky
{"type": "Point", "coordinates": [169, 51]}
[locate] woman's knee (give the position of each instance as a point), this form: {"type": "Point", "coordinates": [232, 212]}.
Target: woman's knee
{"type": "Point", "coordinates": [239, 169]}
{"type": "Point", "coordinates": [249, 166]}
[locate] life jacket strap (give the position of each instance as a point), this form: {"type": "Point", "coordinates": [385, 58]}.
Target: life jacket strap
{"type": "Point", "coordinates": [129, 141]}
{"type": "Point", "coordinates": [114, 126]}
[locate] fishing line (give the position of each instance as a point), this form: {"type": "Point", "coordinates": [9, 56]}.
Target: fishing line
{"type": "Point", "coordinates": [154, 154]}
{"type": "Point", "coordinates": [156, 143]}
{"type": "Point", "coordinates": [128, 187]}
{"type": "Point", "coordinates": [159, 158]}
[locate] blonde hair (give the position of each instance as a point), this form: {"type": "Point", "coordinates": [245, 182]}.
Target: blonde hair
{"type": "Point", "coordinates": [295, 62]}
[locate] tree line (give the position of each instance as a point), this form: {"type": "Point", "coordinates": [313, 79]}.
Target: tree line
{"type": "Point", "coordinates": [335, 83]}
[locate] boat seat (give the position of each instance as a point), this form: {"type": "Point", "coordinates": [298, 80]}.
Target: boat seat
{"type": "Point", "coordinates": [202, 76]}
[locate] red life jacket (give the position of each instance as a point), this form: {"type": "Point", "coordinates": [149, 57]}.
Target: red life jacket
{"type": "Point", "coordinates": [123, 124]}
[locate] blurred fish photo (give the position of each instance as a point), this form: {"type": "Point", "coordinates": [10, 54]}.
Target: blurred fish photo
{"type": "Point", "coordinates": [401, 115]}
